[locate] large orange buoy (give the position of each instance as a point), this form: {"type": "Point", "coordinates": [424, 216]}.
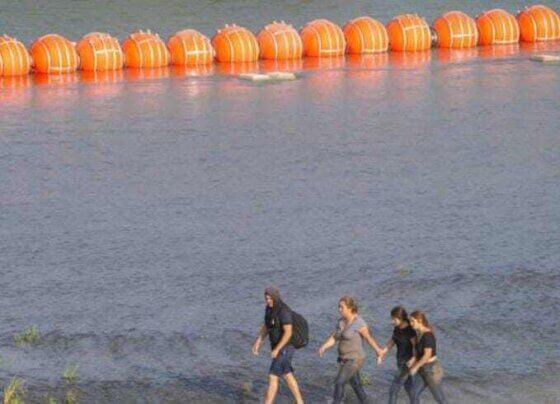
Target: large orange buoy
{"type": "Point", "coordinates": [322, 38]}
{"type": "Point", "coordinates": [235, 44]}
{"type": "Point", "coordinates": [539, 23]}
{"type": "Point", "coordinates": [365, 35]}
{"type": "Point", "coordinates": [190, 48]}
{"type": "Point", "coordinates": [14, 59]}
{"type": "Point", "coordinates": [497, 27]}
{"type": "Point", "coordinates": [279, 41]}
{"type": "Point", "coordinates": [144, 49]}
{"type": "Point", "coordinates": [456, 30]}
{"type": "Point", "coordinates": [100, 52]}
{"type": "Point", "coordinates": [53, 53]}
{"type": "Point", "coordinates": [409, 32]}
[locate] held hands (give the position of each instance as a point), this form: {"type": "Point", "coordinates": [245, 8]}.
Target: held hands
{"type": "Point", "coordinates": [274, 353]}
{"type": "Point", "coordinates": [381, 355]}
{"type": "Point", "coordinates": [321, 351]}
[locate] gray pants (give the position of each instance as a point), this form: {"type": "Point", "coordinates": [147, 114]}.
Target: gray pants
{"type": "Point", "coordinates": [349, 372]}
{"type": "Point", "coordinates": [402, 378]}
{"type": "Point", "coordinates": [429, 376]}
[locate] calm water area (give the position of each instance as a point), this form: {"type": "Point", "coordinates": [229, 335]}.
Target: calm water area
{"type": "Point", "coordinates": [142, 216]}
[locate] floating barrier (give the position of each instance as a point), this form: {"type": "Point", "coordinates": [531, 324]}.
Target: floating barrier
{"type": "Point", "coordinates": [280, 41]}
{"type": "Point", "coordinates": [409, 32]}
{"type": "Point", "coordinates": [497, 27]}
{"type": "Point", "coordinates": [235, 44]}
{"type": "Point", "coordinates": [455, 30]}
{"type": "Point", "coordinates": [282, 48]}
{"type": "Point", "coordinates": [100, 52]}
{"type": "Point", "coordinates": [14, 58]}
{"type": "Point", "coordinates": [365, 35]}
{"type": "Point", "coordinates": [144, 49]}
{"type": "Point", "coordinates": [52, 53]}
{"type": "Point", "coordinates": [322, 38]}
{"type": "Point", "coordinates": [539, 23]}
{"type": "Point", "coordinates": [190, 48]}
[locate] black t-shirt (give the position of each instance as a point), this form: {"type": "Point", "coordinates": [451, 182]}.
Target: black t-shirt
{"type": "Point", "coordinates": [402, 338]}
{"type": "Point", "coordinates": [428, 340]}
{"type": "Point", "coordinates": [275, 319]}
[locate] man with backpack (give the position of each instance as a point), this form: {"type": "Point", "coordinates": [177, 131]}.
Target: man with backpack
{"type": "Point", "coordinates": [287, 331]}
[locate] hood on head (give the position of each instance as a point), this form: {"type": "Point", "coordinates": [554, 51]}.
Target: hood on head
{"type": "Point", "coordinates": [274, 293]}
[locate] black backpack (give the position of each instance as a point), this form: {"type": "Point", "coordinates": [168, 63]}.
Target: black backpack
{"type": "Point", "coordinates": [300, 331]}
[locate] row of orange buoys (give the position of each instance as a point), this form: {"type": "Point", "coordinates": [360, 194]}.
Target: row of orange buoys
{"type": "Point", "coordinates": [96, 51]}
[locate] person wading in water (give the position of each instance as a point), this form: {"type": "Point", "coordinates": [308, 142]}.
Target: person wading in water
{"type": "Point", "coordinates": [426, 363]}
{"type": "Point", "coordinates": [404, 338]}
{"type": "Point", "coordinates": [278, 324]}
{"type": "Point", "coordinates": [351, 329]}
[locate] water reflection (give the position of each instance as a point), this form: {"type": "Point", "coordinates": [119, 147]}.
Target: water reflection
{"type": "Point", "coordinates": [235, 69]}
{"type": "Point", "coordinates": [293, 65]}
{"type": "Point", "coordinates": [444, 55]}
{"type": "Point", "coordinates": [410, 60]}
{"type": "Point", "coordinates": [15, 91]}
{"type": "Point", "coordinates": [498, 51]}
{"type": "Point", "coordinates": [192, 71]}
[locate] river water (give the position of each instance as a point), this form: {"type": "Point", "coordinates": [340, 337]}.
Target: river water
{"type": "Point", "coordinates": [141, 216]}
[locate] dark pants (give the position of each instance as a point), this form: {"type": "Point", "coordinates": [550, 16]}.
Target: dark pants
{"type": "Point", "coordinates": [429, 376]}
{"type": "Point", "coordinates": [402, 378]}
{"type": "Point", "coordinates": [349, 372]}
{"type": "Point", "coordinates": [282, 364]}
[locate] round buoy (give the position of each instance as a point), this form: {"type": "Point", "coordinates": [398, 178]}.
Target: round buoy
{"type": "Point", "coordinates": [53, 53]}
{"type": "Point", "coordinates": [539, 23]}
{"type": "Point", "coordinates": [409, 32]}
{"type": "Point", "coordinates": [144, 49]}
{"type": "Point", "coordinates": [14, 58]}
{"type": "Point", "coordinates": [322, 38]}
{"type": "Point", "coordinates": [365, 35]}
{"type": "Point", "coordinates": [100, 52]}
{"type": "Point", "coordinates": [455, 30]}
{"type": "Point", "coordinates": [235, 44]}
{"type": "Point", "coordinates": [190, 48]}
{"type": "Point", "coordinates": [497, 27]}
{"type": "Point", "coordinates": [279, 41]}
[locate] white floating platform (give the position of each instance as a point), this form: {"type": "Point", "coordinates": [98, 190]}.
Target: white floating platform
{"type": "Point", "coordinates": [254, 77]}
{"type": "Point", "coordinates": [546, 58]}
{"type": "Point", "coordinates": [272, 76]}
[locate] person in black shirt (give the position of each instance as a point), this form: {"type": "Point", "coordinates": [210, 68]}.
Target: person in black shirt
{"type": "Point", "coordinates": [425, 363]}
{"type": "Point", "coordinates": [278, 326]}
{"type": "Point", "coordinates": [403, 337]}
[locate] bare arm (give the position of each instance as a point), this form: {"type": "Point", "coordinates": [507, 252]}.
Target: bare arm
{"type": "Point", "coordinates": [422, 361]}
{"type": "Point", "coordinates": [286, 335]}
{"type": "Point", "coordinates": [258, 341]}
{"type": "Point", "coordinates": [329, 343]}
{"type": "Point", "coordinates": [364, 332]}
{"type": "Point", "coordinates": [385, 350]}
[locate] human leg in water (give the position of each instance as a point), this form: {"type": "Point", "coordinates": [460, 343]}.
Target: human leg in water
{"type": "Point", "coordinates": [426, 378]}
{"type": "Point", "coordinates": [294, 388]}
{"type": "Point", "coordinates": [349, 372]}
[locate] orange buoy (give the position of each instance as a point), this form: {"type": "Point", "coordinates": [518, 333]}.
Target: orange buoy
{"type": "Point", "coordinates": [144, 49]}
{"type": "Point", "coordinates": [539, 23]}
{"type": "Point", "coordinates": [455, 30]}
{"type": "Point", "coordinates": [235, 44]}
{"type": "Point", "coordinates": [365, 35]}
{"type": "Point", "coordinates": [497, 27]}
{"type": "Point", "coordinates": [279, 40]}
{"type": "Point", "coordinates": [14, 58]}
{"type": "Point", "coordinates": [53, 53]}
{"type": "Point", "coordinates": [322, 38]}
{"type": "Point", "coordinates": [190, 48]}
{"type": "Point", "coordinates": [100, 52]}
{"type": "Point", "coordinates": [409, 32]}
